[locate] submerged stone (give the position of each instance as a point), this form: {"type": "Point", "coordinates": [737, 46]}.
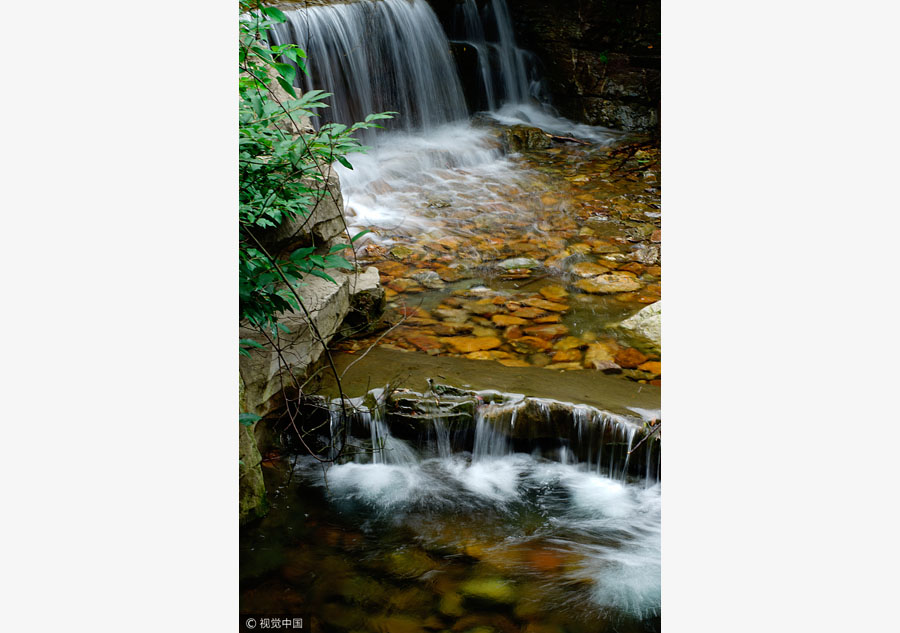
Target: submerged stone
{"type": "Point", "coordinates": [451, 604]}
{"type": "Point", "coordinates": [466, 344]}
{"type": "Point", "coordinates": [543, 304]}
{"type": "Point", "coordinates": [504, 320]}
{"type": "Point", "coordinates": [495, 590]}
{"type": "Point", "coordinates": [630, 358]}
{"type": "Point", "coordinates": [609, 283]}
{"type": "Point", "coordinates": [520, 262]}
{"type": "Point", "coordinates": [567, 356]}
{"type": "Point", "coordinates": [548, 331]}
{"type": "Point", "coordinates": [554, 293]}
{"type": "Point", "coordinates": [589, 269]}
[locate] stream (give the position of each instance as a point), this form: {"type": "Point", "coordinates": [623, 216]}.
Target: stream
{"type": "Point", "coordinates": [506, 234]}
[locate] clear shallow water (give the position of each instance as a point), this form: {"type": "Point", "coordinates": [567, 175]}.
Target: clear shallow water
{"type": "Point", "coordinates": [562, 547]}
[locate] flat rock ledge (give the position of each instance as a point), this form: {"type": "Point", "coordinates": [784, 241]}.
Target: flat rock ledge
{"type": "Point", "coordinates": [355, 301]}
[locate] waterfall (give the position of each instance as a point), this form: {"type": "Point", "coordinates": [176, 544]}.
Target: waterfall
{"type": "Point", "coordinates": [377, 56]}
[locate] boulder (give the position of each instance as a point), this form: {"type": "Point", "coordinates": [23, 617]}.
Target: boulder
{"type": "Point", "coordinates": [645, 326]}
{"type": "Point", "coordinates": [252, 502]}
{"type": "Point", "coordinates": [265, 371]}
{"type": "Point", "coordinates": [523, 137]}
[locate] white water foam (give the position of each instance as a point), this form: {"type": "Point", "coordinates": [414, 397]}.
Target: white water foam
{"type": "Point", "coordinates": [612, 529]}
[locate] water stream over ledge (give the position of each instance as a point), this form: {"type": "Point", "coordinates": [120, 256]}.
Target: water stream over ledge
{"type": "Point", "coordinates": [452, 526]}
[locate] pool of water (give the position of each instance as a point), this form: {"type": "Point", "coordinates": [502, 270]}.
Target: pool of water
{"type": "Point", "coordinates": [506, 543]}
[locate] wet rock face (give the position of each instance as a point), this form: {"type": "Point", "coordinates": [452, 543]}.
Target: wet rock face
{"type": "Point", "coordinates": [601, 57]}
{"type": "Point", "coordinates": [523, 137]}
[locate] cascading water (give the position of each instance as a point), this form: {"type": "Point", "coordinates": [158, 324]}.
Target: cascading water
{"type": "Point", "coordinates": [376, 56]}
{"type": "Point", "coordinates": [392, 55]}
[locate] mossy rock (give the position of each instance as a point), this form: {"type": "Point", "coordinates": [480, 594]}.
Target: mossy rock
{"type": "Point", "coordinates": [524, 137]}
{"type": "Point", "coordinates": [494, 590]}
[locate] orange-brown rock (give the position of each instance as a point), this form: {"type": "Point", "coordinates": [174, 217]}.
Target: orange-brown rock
{"type": "Point", "coordinates": [550, 318]}
{"type": "Point", "coordinates": [651, 366]}
{"type": "Point", "coordinates": [504, 319]}
{"type": "Point", "coordinates": [589, 269]}
{"type": "Point", "coordinates": [567, 356]}
{"type": "Point", "coordinates": [528, 313]}
{"type": "Point", "coordinates": [467, 344]}
{"type": "Point", "coordinates": [600, 356]}
{"type": "Point", "coordinates": [565, 366]}
{"type": "Point", "coordinates": [557, 261]}
{"type": "Point", "coordinates": [632, 267]}
{"type": "Point", "coordinates": [548, 331]}
{"type": "Point", "coordinates": [513, 331]}
{"type": "Point", "coordinates": [630, 358]}
{"type": "Point", "coordinates": [391, 268]}
{"type": "Point", "coordinates": [554, 293]}
{"type": "Point", "coordinates": [493, 354]}
{"type": "Point", "coordinates": [543, 304]}
{"type": "Point", "coordinates": [414, 311]}
{"type": "Point", "coordinates": [528, 344]}
{"type": "Point", "coordinates": [452, 274]}
{"type": "Point", "coordinates": [426, 343]}
{"type": "Point", "coordinates": [569, 342]}
{"type": "Point", "coordinates": [405, 285]}
{"type": "Point", "coordinates": [448, 328]}
{"type": "Point", "coordinates": [609, 283]}
{"type": "Point", "coordinates": [582, 248]}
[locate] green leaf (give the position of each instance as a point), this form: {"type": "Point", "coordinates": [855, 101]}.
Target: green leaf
{"type": "Point", "coordinates": [343, 161]}
{"type": "Point", "coordinates": [338, 247]}
{"type": "Point", "coordinates": [285, 70]}
{"type": "Point", "coordinates": [287, 86]}
{"type": "Point", "coordinates": [320, 273]}
{"type": "Point", "coordinates": [249, 342]}
{"type": "Point", "coordinates": [247, 419]}
{"type": "Point", "coordinates": [303, 253]}
{"type": "Point", "coordinates": [274, 13]}
{"type": "Point", "coordinates": [336, 261]}
{"type": "Point", "coordinates": [359, 235]}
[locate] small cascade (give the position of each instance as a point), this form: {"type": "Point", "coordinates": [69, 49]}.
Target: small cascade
{"type": "Point", "coordinates": [492, 426]}
{"type": "Point", "coordinates": [490, 440]}
{"type": "Point", "coordinates": [377, 56]}
{"type": "Point", "coordinates": [508, 73]}
{"type": "Point", "coordinates": [442, 438]}
{"type": "Point", "coordinates": [469, 23]}
{"type": "Point", "coordinates": [387, 449]}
